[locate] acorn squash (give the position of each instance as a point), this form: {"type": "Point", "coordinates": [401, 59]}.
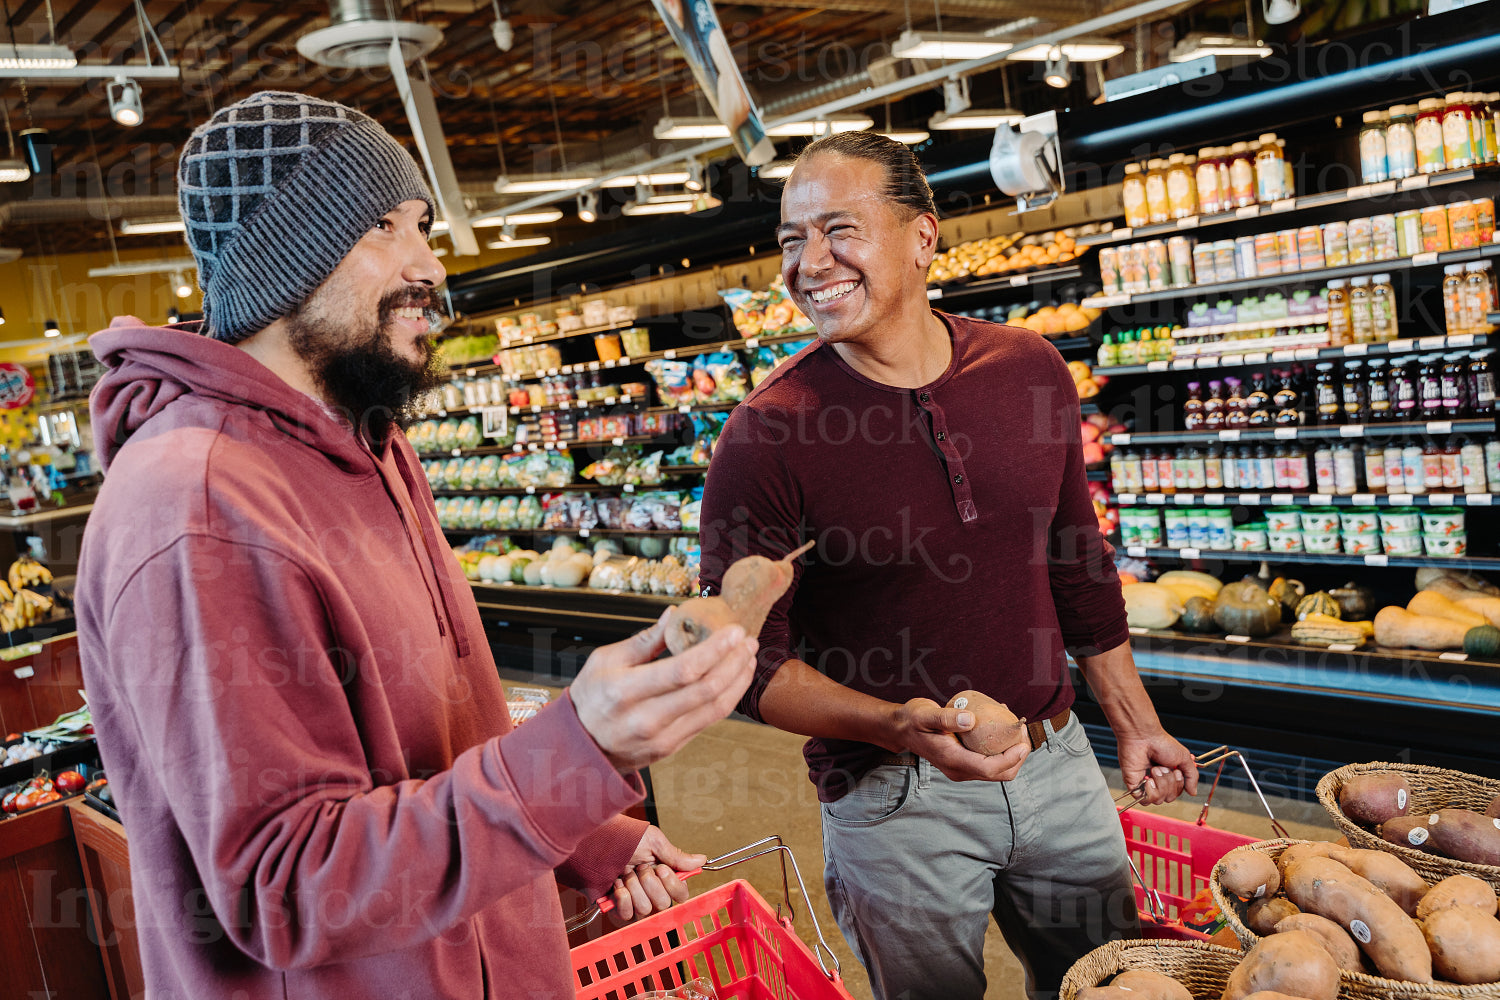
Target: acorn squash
{"type": "Point", "coordinates": [1198, 615]}
{"type": "Point", "coordinates": [1320, 603]}
{"type": "Point", "coordinates": [1483, 641]}
{"type": "Point", "coordinates": [1245, 609]}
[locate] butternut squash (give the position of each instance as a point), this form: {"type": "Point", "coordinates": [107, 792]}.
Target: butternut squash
{"type": "Point", "coordinates": [1398, 628]}
{"type": "Point", "coordinates": [1150, 605]}
{"type": "Point", "coordinates": [1436, 605]}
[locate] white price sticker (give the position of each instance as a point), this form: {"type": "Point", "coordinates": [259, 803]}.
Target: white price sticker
{"type": "Point", "coordinates": [1209, 362]}
{"type": "Point", "coordinates": [1360, 930]}
{"type": "Point", "coordinates": [1422, 259]}
{"type": "Point", "coordinates": [617, 442]}
{"type": "Point", "coordinates": [1361, 191]}
{"type": "Point", "coordinates": [1355, 350]}
{"type": "Point", "coordinates": [1480, 499]}
{"type": "Point", "coordinates": [1236, 638]}
{"type": "Point", "coordinates": [609, 401]}
{"type": "Point", "coordinates": [1360, 499]}
{"type": "Point", "coordinates": [565, 405]}
{"type": "Point", "coordinates": [1248, 212]}
{"type": "Point", "coordinates": [1341, 647]}
{"type": "Point", "coordinates": [625, 400]}
{"type": "Point", "coordinates": [567, 369]}
{"type": "Point", "coordinates": [593, 366]}
{"type": "Point", "coordinates": [551, 445]}
{"type": "Point", "coordinates": [1016, 280]}
{"type": "Point", "coordinates": [1377, 559]}
{"type": "Point", "coordinates": [1139, 551]}
{"type": "Point", "coordinates": [1439, 427]}
{"type": "Point", "coordinates": [1352, 431]}
{"type": "Point", "coordinates": [1453, 657]}
{"type": "Point", "coordinates": [1401, 345]}
{"type": "Point", "coordinates": [752, 342]}
{"type": "Point", "coordinates": [1189, 553]}
{"type": "Point", "coordinates": [1229, 435]}
{"type": "Point", "coordinates": [531, 491]}
{"type": "Point", "coordinates": [1441, 499]}
{"type": "Point", "coordinates": [1185, 499]}
{"type": "Point", "coordinates": [1320, 499]}
{"type": "Point", "coordinates": [685, 408]}
{"type": "Point", "coordinates": [1307, 353]}
{"type": "Point", "coordinates": [1284, 433]}
{"type": "Point", "coordinates": [629, 487]}
{"type": "Point", "coordinates": [1123, 233]}
{"type": "Point", "coordinates": [669, 355]}
{"type": "Point", "coordinates": [539, 374]}
{"type": "Point", "coordinates": [536, 409]}
{"type": "Point", "coordinates": [1156, 498]}
{"type": "Point", "coordinates": [1432, 343]}
{"type": "Point", "coordinates": [1284, 205]}
{"type": "Point", "coordinates": [1281, 499]}
{"type": "Point", "coordinates": [1119, 439]}
{"type": "Point", "coordinates": [1461, 340]}
{"type": "Point", "coordinates": [551, 372]}
{"type": "Point", "coordinates": [1249, 499]}
{"type": "Point", "coordinates": [1137, 630]}
{"type": "Point", "coordinates": [1283, 355]}
{"type": "Point", "coordinates": [517, 448]}
{"type": "Point", "coordinates": [1401, 499]}
{"type": "Point", "coordinates": [1183, 364]}
{"type": "Point", "coordinates": [1419, 181]}
{"type": "Point", "coordinates": [610, 363]}
{"type": "Point", "coordinates": [1232, 360]}
{"type": "Point", "coordinates": [1126, 499]}
{"type": "Point", "coordinates": [1383, 188]}
{"type": "Point", "coordinates": [1158, 366]}
{"type": "Point", "coordinates": [1256, 358]}
{"type": "Point", "coordinates": [583, 532]}
{"type": "Point", "coordinates": [934, 294]}
{"type": "Point", "coordinates": [471, 372]}
{"type": "Point", "coordinates": [456, 452]}
{"type": "Point", "coordinates": [515, 409]}
{"type": "Point", "coordinates": [1191, 222]}
{"type": "Point", "coordinates": [1213, 499]}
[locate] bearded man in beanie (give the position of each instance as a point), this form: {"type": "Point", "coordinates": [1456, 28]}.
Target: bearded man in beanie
{"type": "Point", "coordinates": [300, 715]}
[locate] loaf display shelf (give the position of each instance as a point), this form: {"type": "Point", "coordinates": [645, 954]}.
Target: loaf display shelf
{"type": "Point", "coordinates": [1353, 431]}
{"type": "Point", "coordinates": [1362, 192]}
{"type": "Point", "coordinates": [1308, 277]}
{"type": "Point", "coordinates": [1490, 563]}
{"type": "Point", "coordinates": [1405, 345]}
{"type": "Point", "coordinates": [1234, 498]}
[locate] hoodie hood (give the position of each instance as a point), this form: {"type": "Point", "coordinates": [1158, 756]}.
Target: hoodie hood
{"type": "Point", "coordinates": [151, 367]}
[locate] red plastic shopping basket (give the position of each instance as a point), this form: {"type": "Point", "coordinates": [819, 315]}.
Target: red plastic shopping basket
{"type": "Point", "coordinates": [729, 935]}
{"type": "Point", "coordinates": [1172, 860]}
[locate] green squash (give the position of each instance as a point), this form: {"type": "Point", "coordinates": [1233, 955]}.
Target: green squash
{"type": "Point", "coordinates": [1198, 615]}
{"type": "Point", "coordinates": [1356, 602]}
{"type": "Point", "coordinates": [1320, 603]}
{"type": "Point", "coordinates": [1289, 593]}
{"type": "Point", "coordinates": [1483, 641]}
{"type": "Point", "coordinates": [1245, 609]}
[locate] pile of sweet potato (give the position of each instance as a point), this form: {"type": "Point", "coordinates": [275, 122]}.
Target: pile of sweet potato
{"type": "Point", "coordinates": [1380, 801]}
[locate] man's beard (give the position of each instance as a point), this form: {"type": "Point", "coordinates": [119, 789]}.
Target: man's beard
{"type": "Point", "coordinates": [360, 373]}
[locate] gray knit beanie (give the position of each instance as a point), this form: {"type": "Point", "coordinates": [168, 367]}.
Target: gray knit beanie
{"type": "Point", "coordinates": [275, 190]}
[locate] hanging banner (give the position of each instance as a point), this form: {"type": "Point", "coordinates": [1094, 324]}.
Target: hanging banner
{"type": "Point", "coordinates": [17, 387]}
{"type": "Point", "coordinates": [695, 28]}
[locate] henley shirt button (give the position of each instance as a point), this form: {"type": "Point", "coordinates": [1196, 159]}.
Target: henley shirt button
{"type": "Point", "coordinates": [958, 480]}
{"type": "Point", "coordinates": [942, 436]}
{"type": "Point", "coordinates": [924, 397]}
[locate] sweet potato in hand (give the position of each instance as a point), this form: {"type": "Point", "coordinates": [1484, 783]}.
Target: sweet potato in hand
{"type": "Point", "coordinates": [996, 728]}
{"type": "Point", "coordinates": [752, 586]}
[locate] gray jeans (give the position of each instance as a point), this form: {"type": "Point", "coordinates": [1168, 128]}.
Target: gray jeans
{"type": "Point", "coordinates": [915, 866]}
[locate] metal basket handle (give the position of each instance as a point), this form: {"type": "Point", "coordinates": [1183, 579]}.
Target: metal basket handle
{"type": "Point", "coordinates": [747, 853]}
{"type": "Point", "coordinates": [1218, 755]}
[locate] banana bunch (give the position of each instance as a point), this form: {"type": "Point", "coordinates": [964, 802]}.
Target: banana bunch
{"type": "Point", "coordinates": [26, 609]}
{"type": "Point", "coordinates": [27, 572]}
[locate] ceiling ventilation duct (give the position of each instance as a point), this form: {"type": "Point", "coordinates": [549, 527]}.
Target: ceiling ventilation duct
{"type": "Point", "coordinates": [360, 36]}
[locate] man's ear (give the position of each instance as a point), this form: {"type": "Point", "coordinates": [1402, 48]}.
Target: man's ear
{"type": "Point", "coordinates": [925, 227]}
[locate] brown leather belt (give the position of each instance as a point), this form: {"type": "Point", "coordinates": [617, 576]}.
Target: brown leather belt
{"type": "Point", "coordinates": [1035, 730]}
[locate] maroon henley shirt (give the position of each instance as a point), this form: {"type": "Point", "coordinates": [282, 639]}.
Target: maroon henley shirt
{"type": "Point", "coordinates": [956, 543]}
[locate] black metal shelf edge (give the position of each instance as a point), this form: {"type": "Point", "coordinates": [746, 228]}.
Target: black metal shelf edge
{"type": "Point", "coordinates": [1329, 559]}
{"type": "Point", "coordinates": [1273, 355]}
{"type": "Point", "coordinates": [1354, 432]}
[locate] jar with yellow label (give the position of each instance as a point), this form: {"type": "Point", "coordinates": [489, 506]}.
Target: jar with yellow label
{"type": "Point", "coordinates": [1133, 196]}
{"type": "Point", "coordinates": [1158, 205]}
{"type": "Point", "coordinates": [1463, 225]}
{"type": "Point", "coordinates": [1458, 134]}
{"type": "Point", "coordinates": [1206, 180]}
{"type": "Point", "coordinates": [1182, 196]}
{"type": "Point", "coordinates": [1241, 175]}
{"type": "Point", "coordinates": [1429, 131]}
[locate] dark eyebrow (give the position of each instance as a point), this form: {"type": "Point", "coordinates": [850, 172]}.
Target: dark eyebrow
{"type": "Point", "coordinates": [786, 227]}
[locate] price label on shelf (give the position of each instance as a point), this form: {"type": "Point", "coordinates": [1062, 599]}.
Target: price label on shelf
{"type": "Point", "coordinates": [1377, 559]}
{"type": "Point", "coordinates": [752, 342]}
{"type": "Point", "coordinates": [1127, 499]}
{"type": "Point", "coordinates": [934, 293]}
{"type": "Point", "coordinates": [1439, 427]}
{"type": "Point", "coordinates": [1249, 499]}
{"type": "Point", "coordinates": [1156, 498]}
{"type": "Point", "coordinates": [1401, 499]}
{"type": "Point", "coordinates": [1236, 638]}
{"type": "Point", "coordinates": [517, 448]}
{"type": "Point", "coordinates": [531, 491]}
{"type": "Point", "coordinates": [1284, 205]}
{"type": "Point", "coordinates": [567, 369]}
{"type": "Point", "coordinates": [444, 413]}
{"type": "Point", "coordinates": [1191, 222]}
{"type": "Point", "coordinates": [539, 374]}
{"type": "Point", "coordinates": [593, 366]}
{"type": "Point", "coordinates": [1340, 647]}
{"type": "Point", "coordinates": [1355, 193]}
{"type": "Point", "coordinates": [1229, 435]}
{"type": "Point", "coordinates": [610, 363]}
{"type": "Point", "coordinates": [1137, 630]}
{"type": "Point", "coordinates": [625, 400]}
{"type": "Point", "coordinates": [1183, 364]}
{"type": "Point", "coordinates": [669, 355]}
{"type": "Point", "coordinates": [624, 361]}
{"type": "Point", "coordinates": [1213, 499]}
{"type": "Point", "coordinates": [1209, 362]}
{"type": "Point", "coordinates": [1421, 259]}
{"type": "Point", "coordinates": [1158, 366]}
{"type": "Point", "coordinates": [1189, 553]}
{"type": "Point", "coordinates": [1355, 350]}
{"type": "Point", "coordinates": [528, 339]}
{"type": "Point", "coordinates": [515, 409]}
{"type": "Point", "coordinates": [1360, 499]}
{"type": "Point", "coordinates": [1184, 499]}
{"type": "Point", "coordinates": [1139, 551]}
{"type": "Point", "coordinates": [1119, 439]}
{"type": "Point", "coordinates": [1383, 188]}
{"type": "Point", "coordinates": [1257, 358]}
{"type": "Point", "coordinates": [1432, 343]}
{"type": "Point", "coordinates": [1307, 353]}
{"type": "Point", "coordinates": [1453, 657]}
{"type": "Point", "coordinates": [1284, 433]}
{"type": "Point", "coordinates": [1480, 499]}
{"type": "Point", "coordinates": [536, 409]}
{"type": "Point", "coordinates": [617, 442]}
{"type": "Point", "coordinates": [1247, 212]}
{"type": "Point", "coordinates": [685, 408]}
{"type": "Point", "coordinates": [1123, 233]}
{"type": "Point", "coordinates": [1016, 280]}
{"type": "Point", "coordinates": [1283, 355]}
{"type": "Point", "coordinates": [608, 401]}
{"type": "Point", "coordinates": [1229, 361]}
{"type": "Point", "coordinates": [551, 372]}
{"type": "Point", "coordinates": [1419, 181]}
{"type": "Point", "coordinates": [629, 487]}
{"type": "Point", "coordinates": [1281, 499]}
{"type": "Point", "coordinates": [471, 372]}
{"type": "Point", "coordinates": [456, 452]}
{"type": "Point", "coordinates": [1461, 340]}
{"type": "Point", "coordinates": [1441, 499]}
{"type": "Point", "coordinates": [565, 405]}
{"type": "Point", "coordinates": [551, 445]}
{"type": "Point", "coordinates": [583, 532]}
{"type": "Point", "coordinates": [1352, 431]}
{"type": "Point", "coordinates": [1106, 301]}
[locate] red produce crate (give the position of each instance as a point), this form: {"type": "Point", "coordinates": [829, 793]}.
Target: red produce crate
{"type": "Point", "coordinates": [729, 934]}
{"type": "Point", "coordinates": [1174, 858]}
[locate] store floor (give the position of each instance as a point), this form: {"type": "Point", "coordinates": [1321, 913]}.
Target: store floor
{"type": "Point", "coordinates": [740, 781]}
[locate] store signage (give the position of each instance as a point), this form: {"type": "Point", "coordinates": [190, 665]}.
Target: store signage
{"type": "Point", "coordinates": [17, 387]}
{"type": "Point", "coordinates": [695, 28]}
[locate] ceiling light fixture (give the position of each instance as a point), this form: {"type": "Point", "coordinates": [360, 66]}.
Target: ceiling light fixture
{"type": "Point", "coordinates": [1078, 50]}
{"type": "Point", "coordinates": [1057, 74]}
{"type": "Point", "coordinates": [588, 206]}
{"type": "Point", "coordinates": [821, 127]}
{"type": "Point", "coordinates": [525, 241]}
{"type": "Point", "coordinates": [180, 285]}
{"type": "Point", "coordinates": [152, 227]}
{"type": "Point", "coordinates": [173, 316]}
{"type": "Point", "coordinates": [909, 137]}
{"type": "Point", "coordinates": [162, 265]}
{"type": "Point", "coordinates": [698, 204]}
{"type": "Point", "coordinates": [689, 128]}
{"type": "Point", "coordinates": [974, 118]}
{"type": "Point", "coordinates": [1194, 45]}
{"type": "Point", "coordinates": [1281, 11]}
{"type": "Point", "coordinates": [947, 46]}
{"type": "Point", "coordinates": [11, 169]}
{"type": "Point", "coordinates": [51, 329]}
{"type": "Point", "coordinates": [36, 143]}
{"type": "Point", "coordinates": [505, 35]}
{"type": "Point", "coordinates": [125, 101]}
{"type": "Point", "coordinates": [538, 184]}
{"type": "Point", "coordinates": [37, 57]}
{"type": "Point", "coordinates": [776, 170]}
{"type": "Point", "coordinates": [496, 221]}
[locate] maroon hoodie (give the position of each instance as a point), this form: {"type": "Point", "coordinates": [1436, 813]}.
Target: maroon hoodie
{"type": "Point", "coordinates": [299, 711]}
